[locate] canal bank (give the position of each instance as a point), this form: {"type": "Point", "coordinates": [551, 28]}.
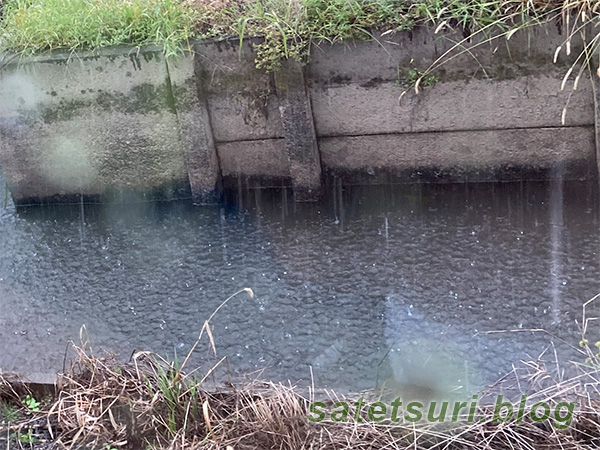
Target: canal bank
{"type": "Point", "coordinates": [100, 403]}
{"type": "Point", "coordinates": [125, 119]}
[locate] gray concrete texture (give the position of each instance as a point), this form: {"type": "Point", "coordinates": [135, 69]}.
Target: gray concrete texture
{"type": "Point", "coordinates": [125, 119]}
{"type": "Point", "coordinates": [89, 125]}
{"type": "Point", "coordinates": [471, 156]}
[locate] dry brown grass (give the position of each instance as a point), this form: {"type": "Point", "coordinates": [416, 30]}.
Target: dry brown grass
{"type": "Point", "coordinates": [103, 402]}
{"type": "Point", "coordinates": [150, 403]}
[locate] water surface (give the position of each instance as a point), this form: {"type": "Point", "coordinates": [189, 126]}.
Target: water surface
{"type": "Point", "coordinates": [362, 287]}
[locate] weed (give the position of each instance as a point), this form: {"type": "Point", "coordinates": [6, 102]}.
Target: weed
{"type": "Point", "coordinates": [591, 352]}
{"type": "Point", "coordinates": [409, 78]}
{"type": "Point", "coordinates": [27, 438]}
{"type": "Point", "coordinates": [594, 360]}
{"type": "Point", "coordinates": [414, 75]}
{"type": "Point", "coordinates": [8, 413]}
{"type": "Point", "coordinates": [31, 404]}
{"type": "Point", "coordinates": [287, 27]}
{"type": "Point", "coordinates": [33, 26]}
{"type": "Point", "coordinates": [274, 416]}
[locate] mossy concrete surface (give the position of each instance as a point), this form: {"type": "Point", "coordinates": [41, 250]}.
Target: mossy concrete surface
{"type": "Point", "coordinates": [88, 126]}
{"type": "Point", "coordinates": [195, 129]}
{"type": "Point", "coordinates": [127, 119]}
{"type": "Point", "coordinates": [241, 98]}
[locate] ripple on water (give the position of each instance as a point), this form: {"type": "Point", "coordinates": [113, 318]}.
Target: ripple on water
{"type": "Point", "coordinates": [338, 285]}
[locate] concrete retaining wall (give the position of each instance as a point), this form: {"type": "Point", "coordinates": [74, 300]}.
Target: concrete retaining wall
{"type": "Point", "coordinates": [90, 125]}
{"type": "Point", "coordinates": [126, 120]}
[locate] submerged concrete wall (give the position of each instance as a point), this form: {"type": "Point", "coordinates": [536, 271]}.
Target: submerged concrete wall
{"type": "Point", "coordinates": [122, 119]}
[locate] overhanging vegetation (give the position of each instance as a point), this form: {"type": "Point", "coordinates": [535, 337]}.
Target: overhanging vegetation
{"type": "Point", "coordinates": [287, 26]}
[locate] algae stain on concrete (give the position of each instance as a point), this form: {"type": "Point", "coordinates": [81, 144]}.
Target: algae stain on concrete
{"type": "Point", "coordinates": [145, 98]}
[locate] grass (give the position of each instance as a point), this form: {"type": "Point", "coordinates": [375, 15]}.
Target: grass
{"type": "Point", "coordinates": [288, 27]}
{"type": "Point", "coordinates": [32, 26]}
{"type": "Point", "coordinates": [8, 413]}
{"type": "Point", "coordinates": [149, 403]}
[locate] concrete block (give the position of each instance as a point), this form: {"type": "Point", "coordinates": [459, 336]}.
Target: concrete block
{"type": "Point", "coordinates": [195, 129]}
{"type": "Point", "coordinates": [90, 125]}
{"type": "Point", "coordinates": [489, 155]}
{"type": "Point", "coordinates": [525, 102]}
{"type": "Point", "coordinates": [300, 137]}
{"type": "Point", "coordinates": [263, 158]}
{"type": "Point", "coordinates": [241, 99]}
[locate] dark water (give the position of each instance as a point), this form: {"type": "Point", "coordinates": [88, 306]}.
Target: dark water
{"type": "Point", "coordinates": [373, 283]}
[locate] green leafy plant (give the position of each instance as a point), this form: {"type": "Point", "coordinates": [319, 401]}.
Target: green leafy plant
{"type": "Point", "coordinates": [31, 404]}
{"type": "Point", "coordinates": [414, 75]}
{"type": "Point", "coordinates": [593, 360]}
{"type": "Point", "coordinates": [591, 352]}
{"type": "Point", "coordinates": [27, 438]}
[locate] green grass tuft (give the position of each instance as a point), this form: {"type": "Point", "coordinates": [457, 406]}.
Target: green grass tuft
{"type": "Point", "coordinates": [288, 27]}
{"type": "Point", "coordinates": [31, 26]}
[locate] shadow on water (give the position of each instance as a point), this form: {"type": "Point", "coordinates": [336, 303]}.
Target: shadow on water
{"type": "Point", "coordinates": [423, 287]}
